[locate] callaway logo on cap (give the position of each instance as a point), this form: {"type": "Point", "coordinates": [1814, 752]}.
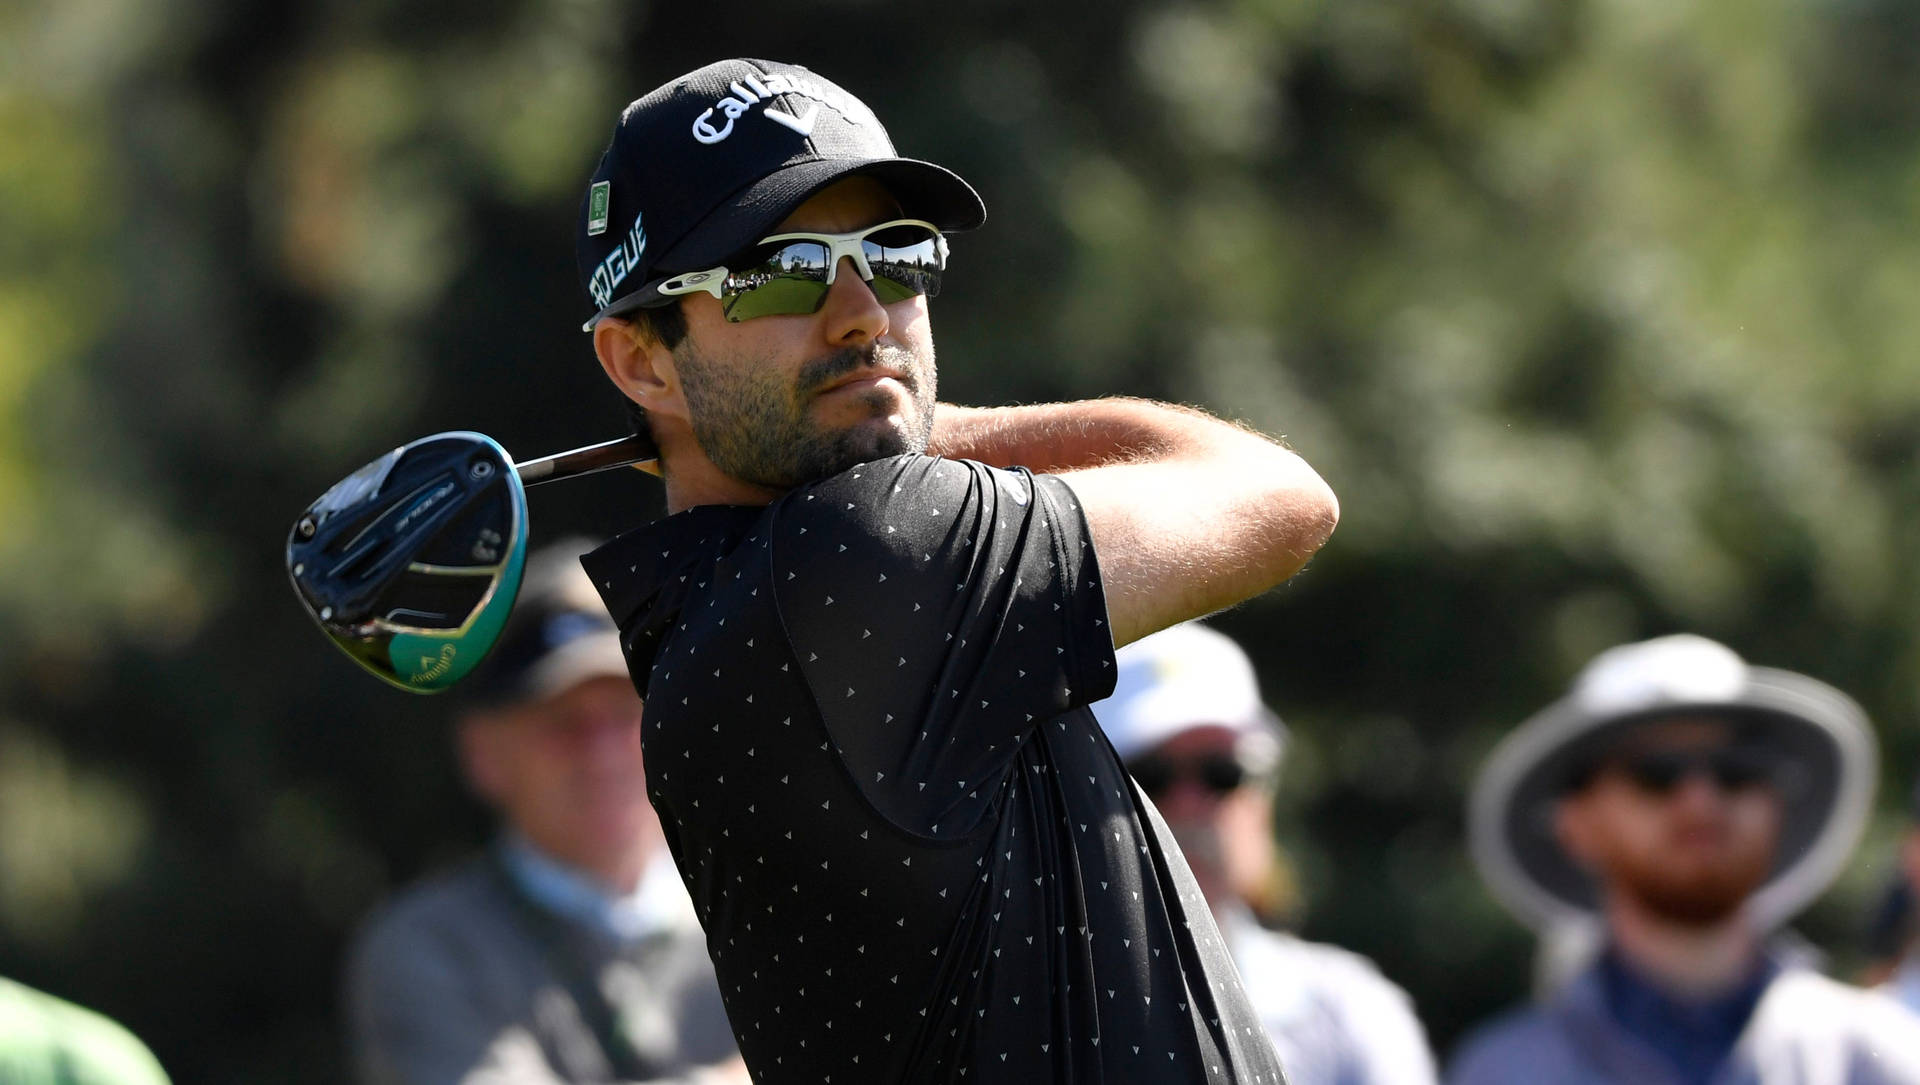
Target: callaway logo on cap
{"type": "Point", "coordinates": [708, 164]}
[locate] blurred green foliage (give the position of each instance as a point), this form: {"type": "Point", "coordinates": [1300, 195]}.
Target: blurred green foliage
{"type": "Point", "coordinates": [1598, 315]}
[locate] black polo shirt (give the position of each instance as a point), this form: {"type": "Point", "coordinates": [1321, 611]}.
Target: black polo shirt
{"type": "Point", "coordinates": [915, 854]}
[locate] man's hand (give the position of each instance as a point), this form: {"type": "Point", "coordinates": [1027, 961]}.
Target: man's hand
{"type": "Point", "coordinates": [1190, 514]}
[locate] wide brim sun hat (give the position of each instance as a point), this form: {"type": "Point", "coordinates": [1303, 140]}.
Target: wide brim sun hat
{"type": "Point", "coordinates": [1828, 759]}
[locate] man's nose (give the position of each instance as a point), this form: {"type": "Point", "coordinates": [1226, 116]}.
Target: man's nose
{"type": "Point", "coordinates": [852, 311]}
{"type": "Point", "coordinates": [607, 730]}
{"type": "Point", "coordinates": [1698, 791]}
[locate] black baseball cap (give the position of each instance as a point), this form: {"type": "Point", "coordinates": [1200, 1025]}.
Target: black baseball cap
{"type": "Point", "coordinates": [557, 636]}
{"type": "Point", "coordinates": [706, 165]}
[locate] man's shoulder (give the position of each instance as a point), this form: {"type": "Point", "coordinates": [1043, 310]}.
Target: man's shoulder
{"type": "Point", "coordinates": [908, 479]}
{"type": "Point", "coordinates": [913, 479]}
{"type": "Point", "coordinates": [1806, 1003]}
{"type": "Point", "coordinates": [1333, 972]}
{"type": "Point", "coordinates": [1323, 1001]}
{"type": "Point", "coordinates": [900, 514]}
{"type": "Point", "coordinates": [1861, 1036]}
{"type": "Point", "coordinates": [1336, 962]}
{"type": "Point", "coordinates": [452, 905]}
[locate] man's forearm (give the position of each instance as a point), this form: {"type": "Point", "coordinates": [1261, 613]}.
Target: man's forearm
{"type": "Point", "coordinates": [1055, 437]}
{"type": "Point", "coordinates": [1189, 513]}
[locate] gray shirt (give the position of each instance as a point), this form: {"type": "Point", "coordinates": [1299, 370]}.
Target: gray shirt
{"type": "Point", "coordinates": [457, 982]}
{"type": "Point", "coordinates": [1806, 1030]}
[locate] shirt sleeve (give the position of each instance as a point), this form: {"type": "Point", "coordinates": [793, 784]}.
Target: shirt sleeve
{"type": "Point", "coordinates": [48, 1039]}
{"type": "Point", "coordinates": [939, 610]}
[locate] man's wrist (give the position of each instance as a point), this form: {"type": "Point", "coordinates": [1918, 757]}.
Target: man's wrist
{"type": "Point", "coordinates": [952, 425]}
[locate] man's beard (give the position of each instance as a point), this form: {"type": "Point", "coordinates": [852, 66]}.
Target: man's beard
{"type": "Point", "coordinates": [1700, 897]}
{"type": "Point", "coordinates": [756, 429]}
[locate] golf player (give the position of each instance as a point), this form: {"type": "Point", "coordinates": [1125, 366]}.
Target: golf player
{"type": "Point", "coordinates": [868, 633]}
{"type": "Point", "coordinates": [568, 952]}
{"type": "Point", "coordinates": [1688, 804]}
{"type": "Point", "coordinates": [1187, 719]}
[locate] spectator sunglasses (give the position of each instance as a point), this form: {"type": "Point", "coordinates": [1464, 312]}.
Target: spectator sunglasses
{"type": "Point", "coordinates": [1731, 769]}
{"type": "Point", "coordinates": [790, 274]}
{"type": "Point", "coordinates": [1217, 773]}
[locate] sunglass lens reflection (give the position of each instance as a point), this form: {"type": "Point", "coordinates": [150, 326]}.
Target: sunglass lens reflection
{"type": "Point", "coordinates": [790, 279]}
{"type": "Point", "coordinates": [905, 260]}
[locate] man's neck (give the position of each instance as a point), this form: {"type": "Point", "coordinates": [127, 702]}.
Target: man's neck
{"type": "Point", "coordinates": [691, 479]}
{"type": "Point", "coordinates": [625, 907]}
{"type": "Point", "coordinates": [622, 878]}
{"type": "Point", "coordinates": [1689, 961]}
{"type": "Point", "coordinates": [616, 872]}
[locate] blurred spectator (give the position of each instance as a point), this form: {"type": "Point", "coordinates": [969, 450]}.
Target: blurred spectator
{"type": "Point", "coordinates": [570, 951]}
{"type": "Point", "coordinates": [1900, 923]}
{"type": "Point", "coordinates": [46, 1041]}
{"type": "Point", "coordinates": [1187, 718]}
{"type": "Point", "coordinates": [1692, 803]}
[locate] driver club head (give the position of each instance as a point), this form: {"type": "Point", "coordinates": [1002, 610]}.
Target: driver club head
{"type": "Point", "coordinates": [411, 563]}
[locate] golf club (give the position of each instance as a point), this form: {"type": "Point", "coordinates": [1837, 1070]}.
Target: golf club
{"type": "Point", "coordinates": [411, 564]}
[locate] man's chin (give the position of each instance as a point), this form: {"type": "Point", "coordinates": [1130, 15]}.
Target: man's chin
{"type": "Point", "coordinates": [1704, 899]}
{"type": "Point", "coordinates": [852, 454]}
{"type": "Point", "coordinates": [880, 436]}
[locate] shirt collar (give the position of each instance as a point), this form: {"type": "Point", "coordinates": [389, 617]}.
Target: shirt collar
{"type": "Point", "coordinates": [1692, 1036]}
{"type": "Point", "coordinates": [1629, 988]}
{"type": "Point", "coordinates": [644, 575]}
{"type": "Point", "coordinates": [658, 904]}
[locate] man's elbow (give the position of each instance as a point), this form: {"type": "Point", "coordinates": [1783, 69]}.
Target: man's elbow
{"type": "Point", "coordinates": [1306, 511]}
{"type": "Point", "coordinates": [1326, 511]}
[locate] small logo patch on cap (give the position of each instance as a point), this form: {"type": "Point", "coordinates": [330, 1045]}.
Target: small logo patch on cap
{"type": "Point", "coordinates": [599, 199]}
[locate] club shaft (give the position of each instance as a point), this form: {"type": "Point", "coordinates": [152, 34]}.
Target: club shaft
{"type": "Point", "coordinates": [585, 461]}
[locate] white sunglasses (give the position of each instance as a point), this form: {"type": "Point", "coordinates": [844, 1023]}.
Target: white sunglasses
{"type": "Point", "coordinates": [790, 274]}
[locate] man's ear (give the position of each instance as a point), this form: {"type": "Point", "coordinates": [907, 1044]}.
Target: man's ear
{"type": "Point", "coordinates": [1573, 827]}
{"type": "Point", "coordinates": [1910, 858]}
{"type": "Point", "coordinates": [640, 366]}
{"type": "Point", "coordinates": [479, 742]}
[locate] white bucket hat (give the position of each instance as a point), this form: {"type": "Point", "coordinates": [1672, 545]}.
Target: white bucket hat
{"type": "Point", "coordinates": [1182, 679]}
{"type": "Point", "coordinates": [1824, 739]}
